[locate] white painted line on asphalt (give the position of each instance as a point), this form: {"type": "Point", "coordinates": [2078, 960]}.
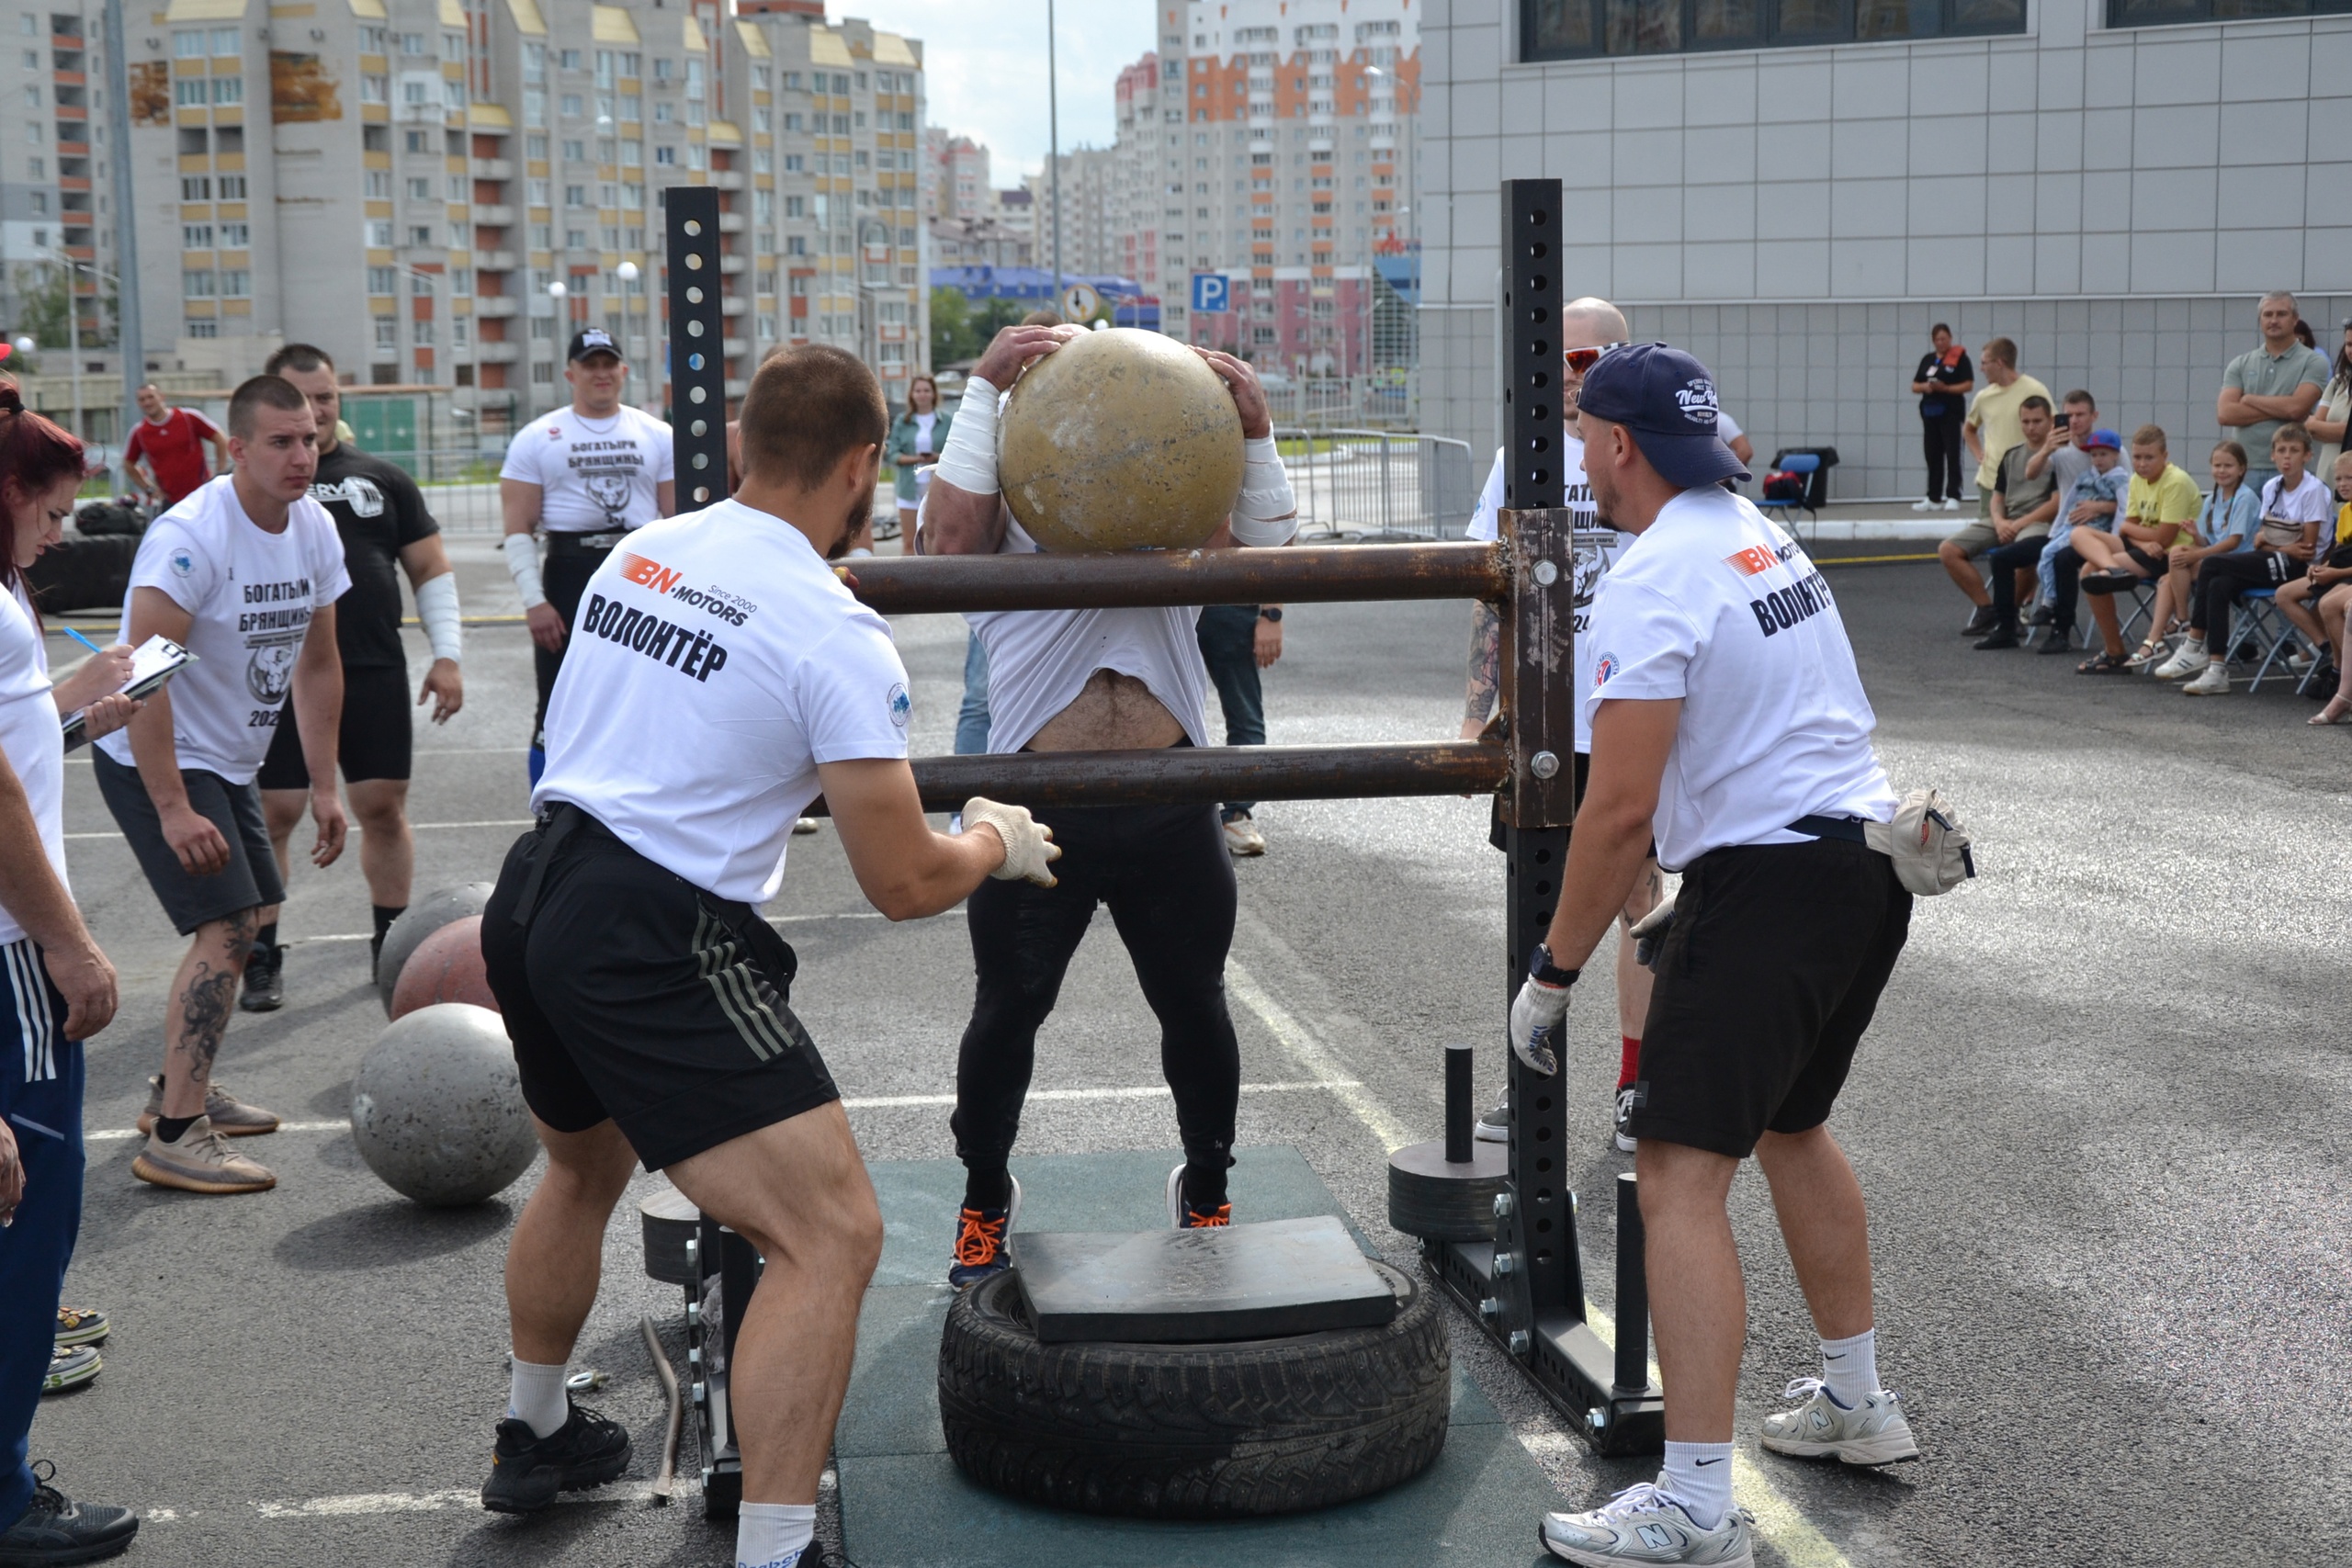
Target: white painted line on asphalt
{"type": "Point", "coordinates": [361, 1505]}
{"type": "Point", "coordinates": [413, 827]}
{"type": "Point", "coordinates": [112, 1135]}
{"type": "Point", "coordinates": [1310, 1051]}
{"type": "Point", "coordinates": [1143, 1091]}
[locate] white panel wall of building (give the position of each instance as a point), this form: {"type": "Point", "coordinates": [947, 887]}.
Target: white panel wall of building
{"type": "Point", "coordinates": [2113, 199]}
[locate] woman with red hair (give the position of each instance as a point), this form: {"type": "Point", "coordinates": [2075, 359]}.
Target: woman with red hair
{"type": "Point", "coordinates": [56, 988]}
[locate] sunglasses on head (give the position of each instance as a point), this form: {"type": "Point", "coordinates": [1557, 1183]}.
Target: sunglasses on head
{"type": "Point", "coordinates": [1581, 360]}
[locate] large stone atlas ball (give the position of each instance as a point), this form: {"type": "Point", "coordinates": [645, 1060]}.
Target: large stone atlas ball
{"type": "Point", "coordinates": [1120, 440]}
{"type": "Point", "coordinates": [437, 1108]}
{"type": "Point", "coordinates": [420, 920]}
{"type": "Point", "coordinates": [446, 967]}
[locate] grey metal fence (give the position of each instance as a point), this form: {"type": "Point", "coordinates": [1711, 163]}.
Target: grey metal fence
{"type": "Point", "coordinates": [1380, 484]}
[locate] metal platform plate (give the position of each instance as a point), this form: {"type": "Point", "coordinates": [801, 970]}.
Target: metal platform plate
{"type": "Point", "coordinates": [1247, 1281]}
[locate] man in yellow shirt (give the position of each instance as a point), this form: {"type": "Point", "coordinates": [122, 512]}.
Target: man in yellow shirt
{"type": "Point", "coordinates": [2159, 511]}
{"type": "Point", "coordinates": [1992, 428]}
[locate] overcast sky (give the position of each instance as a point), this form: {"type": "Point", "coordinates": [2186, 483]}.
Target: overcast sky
{"type": "Point", "coordinates": [985, 62]}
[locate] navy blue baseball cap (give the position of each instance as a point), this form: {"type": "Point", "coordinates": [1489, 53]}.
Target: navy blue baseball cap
{"type": "Point", "coordinates": [1667, 400]}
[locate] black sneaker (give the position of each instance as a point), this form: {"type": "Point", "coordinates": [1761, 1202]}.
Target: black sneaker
{"type": "Point", "coordinates": [2060, 641]}
{"type": "Point", "coordinates": [1626, 1142]}
{"type": "Point", "coordinates": [1982, 621]}
{"type": "Point", "coordinates": [2043, 614]}
{"type": "Point", "coordinates": [57, 1529]}
{"type": "Point", "coordinates": [265, 982]}
{"type": "Point", "coordinates": [1999, 637]}
{"type": "Point", "coordinates": [527, 1470]}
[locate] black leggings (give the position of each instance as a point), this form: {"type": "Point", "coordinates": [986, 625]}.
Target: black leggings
{"type": "Point", "coordinates": [2223, 578]}
{"type": "Point", "coordinates": [564, 578]}
{"type": "Point", "coordinates": [1165, 873]}
{"type": "Point", "coordinates": [1942, 437]}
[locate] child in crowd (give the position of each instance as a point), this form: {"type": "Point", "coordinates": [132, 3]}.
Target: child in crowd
{"type": "Point", "coordinates": [2159, 509]}
{"type": "Point", "coordinates": [2294, 504]}
{"type": "Point", "coordinates": [2092, 502]}
{"type": "Point", "coordinates": [2226, 526]}
{"type": "Point", "coordinates": [2335, 601]}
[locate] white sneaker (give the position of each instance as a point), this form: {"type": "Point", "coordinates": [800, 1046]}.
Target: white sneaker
{"type": "Point", "coordinates": [1644, 1525]}
{"type": "Point", "coordinates": [1873, 1432]}
{"type": "Point", "coordinates": [2188, 659]}
{"type": "Point", "coordinates": [1626, 1142]}
{"type": "Point", "coordinates": [1951, 506]}
{"type": "Point", "coordinates": [1923, 504]}
{"type": "Point", "coordinates": [1242, 838]}
{"type": "Point", "coordinates": [1494, 1127]}
{"type": "Point", "coordinates": [2214, 683]}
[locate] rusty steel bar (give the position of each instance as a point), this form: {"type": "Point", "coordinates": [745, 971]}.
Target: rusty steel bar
{"type": "Point", "coordinates": [1182, 775]}
{"type": "Point", "coordinates": [1296, 575]}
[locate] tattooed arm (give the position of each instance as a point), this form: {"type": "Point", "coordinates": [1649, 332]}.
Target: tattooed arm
{"type": "Point", "coordinates": [1485, 670]}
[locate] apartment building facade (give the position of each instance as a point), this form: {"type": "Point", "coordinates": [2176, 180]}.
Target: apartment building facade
{"type": "Point", "coordinates": [441, 192]}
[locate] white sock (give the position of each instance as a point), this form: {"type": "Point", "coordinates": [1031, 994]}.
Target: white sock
{"type": "Point", "coordinates": [1698, 1476]}
{"type": "Point", "coordinates": [1849, 1367]}
{"type": "Point", "coordinates": [538, 1399]}
{"type": "Point", "coordinates": [773, 1535]}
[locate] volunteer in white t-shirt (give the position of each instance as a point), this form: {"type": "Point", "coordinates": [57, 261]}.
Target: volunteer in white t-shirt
{"type": "Point", "coordinates": [1588, 329]}
{"type": "Point", "coordinates": [1096, 680]}
{"type": "Point", "coordinates": [56, 990]}
{"type": "Point", "coordinates": [244, 574]}
{"type": "Point", "coordinates": [722, 677]}
{"type": "Point", "coordinates": [583, 476]}
{"type": "Point", "coordinates": [1729, 722]}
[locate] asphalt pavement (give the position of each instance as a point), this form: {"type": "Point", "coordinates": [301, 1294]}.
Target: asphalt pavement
{"type": "Point", "coordinates": [2098, 1120]}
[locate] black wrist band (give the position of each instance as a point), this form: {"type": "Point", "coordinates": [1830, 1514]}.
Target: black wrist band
{"type": "Point", "coordinates": [1544, 972]}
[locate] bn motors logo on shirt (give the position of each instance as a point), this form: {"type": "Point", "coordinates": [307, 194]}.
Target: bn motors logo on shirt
{"type": "Point", "coordinates": [661, 580]}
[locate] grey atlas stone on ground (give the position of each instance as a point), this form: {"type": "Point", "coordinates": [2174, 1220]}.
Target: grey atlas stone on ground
{"type": "Point", "coordinates": [2099, 1118]}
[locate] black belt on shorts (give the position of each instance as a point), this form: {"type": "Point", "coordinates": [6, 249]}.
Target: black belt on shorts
{"type": "Point", "coordinates": [565, 542]}
{"type": "Point", "coordinates": [1845, 828]}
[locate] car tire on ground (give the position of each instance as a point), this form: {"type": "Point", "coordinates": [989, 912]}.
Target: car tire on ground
{"type": "Point", "coordinates": [1221, 1431]}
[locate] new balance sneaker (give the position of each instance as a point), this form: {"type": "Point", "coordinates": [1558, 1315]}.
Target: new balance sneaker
{"type": "Point", "coordinates": [1626, 1142]}
{"type": "Point", "coordinates": [1644, 1525]}
{"type": "Point", "coordinates": [230, 1117]}
{"type": "Point", "coordinates": [1494, 1127]}
{"type": "Point", "coordinates": [980, 1241]}
{"type": "Point", "coordinates": [201, 1161]}
{"type": "Point", "coordinates": [2213, 683]}
{"type": "Point", "coordinates": [82, 1326]}
{"type": "Point", "coordinates": [56, 1529]}
{"type": "Point", "coordinates": [2186, 660]}
{"type": "Point", "coordinates": [265, 982]}
{"type": "Point", "coordinates": [1873, 1432]}
{"type": "Point", "coordinates": [1183, 1216]}
{"type": "Point", "coordinates": [1242, 839]}
{"type": "Point", "coordinates": [71, 1366]}
{"type": "Point", "coordinates": [527, 1470]}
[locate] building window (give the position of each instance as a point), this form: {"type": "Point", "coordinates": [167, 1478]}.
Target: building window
{"type": "Point", "coordinates": [388, 332]}
{"type": "Point", "coordinates": [236, 236]}
{"type": "Point", "coordinates": [204, 327]}
{"type": "Point", "coordinates": [382, 279]}
{"type": "Point", "coordinates": [184, 46]}
{"type": "Point", "coordinates": [196, 187]}
{"type": "Point", "coordinates": [232, 188]}
{"type": "Point", "coordinates": [380, 233]}
{"type": "Point", "coordinates": [196, 283]}
{"type": "Point", "coordinates": [195, 236]}
{"type": "Point", "coordinates": [2158, 12]}
{"type": "Point", "coordinates": [228, 89]}
{"type": "Point", "coordinates": [1567, 29]}
{"type": "Point", "coordinates": [236, 282]}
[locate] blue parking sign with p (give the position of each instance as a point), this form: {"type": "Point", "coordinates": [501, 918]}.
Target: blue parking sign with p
{"type": "Point", "coordinates": [1210, 291]}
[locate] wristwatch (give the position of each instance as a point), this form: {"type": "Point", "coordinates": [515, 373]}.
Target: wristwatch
{"type": "Point", "coordinates": [1544, 972]}
{"type": "Point", "coordinates": [1272, 613]}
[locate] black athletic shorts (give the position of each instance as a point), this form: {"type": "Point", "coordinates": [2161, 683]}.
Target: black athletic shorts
{"type": "Point", "coordinates": [634, 994]}
{"type": "Point", "coordinates": [374, 742]}
{"type": "Point", "coordinates": [248, 882]}
{"type": "Point", "coordinates": [1765, 984]}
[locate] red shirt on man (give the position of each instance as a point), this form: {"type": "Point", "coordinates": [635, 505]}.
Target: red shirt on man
{"type": "Point", "coordinates": [174, 449]}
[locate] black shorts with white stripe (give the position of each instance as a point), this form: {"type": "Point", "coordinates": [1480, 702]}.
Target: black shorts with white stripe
{"type": "Point", "coordinates": [634, 994]}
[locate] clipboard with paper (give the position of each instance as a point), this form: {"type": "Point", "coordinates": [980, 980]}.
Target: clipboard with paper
{"type": "Point", "coordinates": [153, 662]}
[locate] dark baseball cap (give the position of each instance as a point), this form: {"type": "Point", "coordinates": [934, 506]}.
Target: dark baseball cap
{"type": "Point", "coordinates": [596, 340]}
{"type": "Point", "coordinates": [2105, 437]}
{"type": "Point", "coordinates": [1667, 400]}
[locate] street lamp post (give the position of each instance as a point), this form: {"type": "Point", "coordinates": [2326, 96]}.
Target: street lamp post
{"type": "Point", "coordinates": [628, 273]}
{"type": "Point", "coordinates": [1054, 157]}
{"type": "Point", "coordinates": [557, 290]}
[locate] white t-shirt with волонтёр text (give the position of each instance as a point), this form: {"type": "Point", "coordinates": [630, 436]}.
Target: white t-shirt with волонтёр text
{"type": "Point", "coordinates": [594, 475]}
{"type": "Point", "coordinates": [715, 660]}
{"type": "Point", "coordinates": [1716, 605]}
{"type": "Point", "coordinates": [31, 736]}
{"type": "Point", "coordinates": [250, 595]}
{"type": "Point", "coordinates": [1595, 547]}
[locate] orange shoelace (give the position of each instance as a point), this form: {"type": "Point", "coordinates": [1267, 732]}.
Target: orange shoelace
{"type": "Point", "coordinates": [1200, 1222]}
{"type": "Point", "coordinates": [980, 1239]}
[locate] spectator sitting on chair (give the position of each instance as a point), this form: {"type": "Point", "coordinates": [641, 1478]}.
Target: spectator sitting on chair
{"type": "Point", "coordinates": [2294, 504]}
{"type": "Point", "coordinates": [2335, 605]}
{"type": "Point", "coordinates": [2022, 511]}
{"type": "Point", "coordinates": [2158, 509]}
{"type": "Point", "coordinates": [2226, 526]}
{"type": "Point", "coordinates": [2093, 503]}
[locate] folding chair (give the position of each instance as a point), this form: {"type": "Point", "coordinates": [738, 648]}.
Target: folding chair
{"type": "Point", "coordinates": [1807, 464]}
{"type": "Point", "coordinates": [2256, 617]}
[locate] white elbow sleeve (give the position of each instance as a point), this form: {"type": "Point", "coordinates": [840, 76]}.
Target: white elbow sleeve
{"type": "Point", "coordinates": [523, 566]}
{"type": "Point", "coordinates": [1267, 512]}
{"type": "Point", "coordinates": [436, 606]}
{"type": "Point", "coordinates": [968, 460]}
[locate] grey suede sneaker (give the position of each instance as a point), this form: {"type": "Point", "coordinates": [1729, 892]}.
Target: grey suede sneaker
{"type": "Point", "coordinates": [201, 1161]}
{"type": "Point", "coordinates": [230, 1117]}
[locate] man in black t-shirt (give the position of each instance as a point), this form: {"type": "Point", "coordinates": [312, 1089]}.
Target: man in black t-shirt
{"type": "Point", "coordinates": [385, 530]}
{"type": "Point", "coordinates": [1943, 381]}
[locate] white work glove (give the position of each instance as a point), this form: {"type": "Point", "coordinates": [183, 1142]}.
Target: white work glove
{"type": "Point", "coordinates": [1649, 934]}
{"type": "Point", "coordinates": [1538, 1018]}
{"type": "Point", "coordinates": [1029, 846]}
